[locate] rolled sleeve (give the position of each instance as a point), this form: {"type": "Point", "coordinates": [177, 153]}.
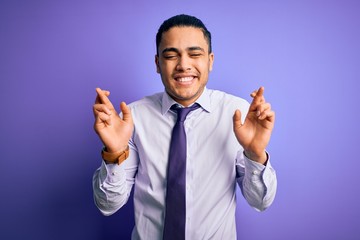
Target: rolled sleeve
{"type": "Point", "coordinates": [258, 182]}
{"type": "Point", "coordinates": [110, 190]}
{"type": "Point", "coordinates": [112, 173]}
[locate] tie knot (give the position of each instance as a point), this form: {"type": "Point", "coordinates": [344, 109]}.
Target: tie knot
{"type": "Point", "coordinates": [183, 112]}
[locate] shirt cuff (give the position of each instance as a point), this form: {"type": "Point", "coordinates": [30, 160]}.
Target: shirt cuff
{"type": "Point", "coordinates": [256, 171]}
{"type": "Point", "coordinates": [112, 173]}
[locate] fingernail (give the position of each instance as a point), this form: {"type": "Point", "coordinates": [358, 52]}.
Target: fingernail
{"type": "Point", "coordinates": [258, 113]}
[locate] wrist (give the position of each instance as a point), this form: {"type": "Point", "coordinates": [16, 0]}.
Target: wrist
{"type": "Point", "coordinates": [115, 150]}
{"type": "Point", "coordinates": [115, 157]}
{"type": "Point", "coordinates": [261, 157]}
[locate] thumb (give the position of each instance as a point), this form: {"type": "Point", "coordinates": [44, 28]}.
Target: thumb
{"type": "Point", "coordinates": [126, 112]}
{"type": "Point", "coordinates": [237, 119]}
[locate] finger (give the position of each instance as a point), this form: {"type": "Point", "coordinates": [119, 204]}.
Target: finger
{"type": "Point", "coordinates": [260, 91]}
{"type": "Point", "coordinates": [268, 114]}
{"type": "Point", "coordinates": [259, 94]}
{"type": "Point", "coordinates": [258, 98]}
{"type": "Point", "coordinates": [97, 99]}
{"type": "Point", "coordinates": [253, 94]}
{"type": "Point", "coordinates": [102, 97]}
{"type": "Point", "coordinates": [237, 119]}
{"type": "Point", "coordinates": [262, 107]}
{"type": "Point", "coordinates": [103, 118]}
{"type": "Point", "coordinates": [107, 94]}
{"type": "Point", "coordinates": [101, 108]}
{"type": "Point", "coordinates": [126, 112]}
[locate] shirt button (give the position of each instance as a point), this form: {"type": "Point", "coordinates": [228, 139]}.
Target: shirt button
{"type": "Point", "coordinates": [113, 173]}
{"type": "Point", "coordinates": [254, 172]}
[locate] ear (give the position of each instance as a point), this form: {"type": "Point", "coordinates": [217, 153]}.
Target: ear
{"type": "Point", "coordinates": [157, 63]}
{"type": "Point", "coordinates": [211, 61]}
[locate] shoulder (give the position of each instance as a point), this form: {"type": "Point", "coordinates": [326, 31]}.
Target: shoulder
{"type": "Point", "coordinates": [146, 108]}
{"type": "Point", "coordinates": [220, 98]}
{"type": "Point", "coordinates": [151, 101]}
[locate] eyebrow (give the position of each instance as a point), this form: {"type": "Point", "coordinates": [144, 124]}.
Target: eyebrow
{"type": "Point", "coordinates": [172, 49]}
{"type": "Point", "coordinates": [196, 49]}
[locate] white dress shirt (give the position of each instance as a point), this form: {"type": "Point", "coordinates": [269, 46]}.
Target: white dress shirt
{"type": "Point", "coordinates": [215, 163]}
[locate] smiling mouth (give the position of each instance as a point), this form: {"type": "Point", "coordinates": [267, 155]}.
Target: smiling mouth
{"type": "Point", "coordinates": [184, 79]}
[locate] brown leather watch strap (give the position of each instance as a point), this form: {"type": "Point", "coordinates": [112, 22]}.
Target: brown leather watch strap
{"type": "Point", "coordinates": [117, 157]}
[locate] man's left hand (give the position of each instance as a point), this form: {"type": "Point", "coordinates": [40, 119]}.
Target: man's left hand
{"type": "Point", "coordinates": [254, 135]}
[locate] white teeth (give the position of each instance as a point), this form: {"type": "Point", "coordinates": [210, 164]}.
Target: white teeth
{"type": "Point", "coordinates": [185, 79]}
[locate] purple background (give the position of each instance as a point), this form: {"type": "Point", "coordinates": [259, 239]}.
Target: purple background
{"type": "Point", "coordinates": [54, 54]}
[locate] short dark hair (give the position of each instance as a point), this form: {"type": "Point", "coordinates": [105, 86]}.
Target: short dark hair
{"type": "Point", "coordinates": [182, 20]}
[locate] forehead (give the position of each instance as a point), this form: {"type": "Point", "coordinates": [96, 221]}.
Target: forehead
{"type": "Point", "coordinates": [183, 38]}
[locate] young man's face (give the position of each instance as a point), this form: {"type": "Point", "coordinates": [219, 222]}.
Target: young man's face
{"type": "Point", "coordinates": [184, 63]}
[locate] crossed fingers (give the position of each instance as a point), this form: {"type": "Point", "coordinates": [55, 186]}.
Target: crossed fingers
{"type": "Point", "coordinates": [103, 108]}
{"type": "Point", "coordinates": [260, 106]}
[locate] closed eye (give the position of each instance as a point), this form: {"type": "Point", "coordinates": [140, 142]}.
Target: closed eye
{"type": "Point", "coordinates": [170, 56]}
{"type": "Point", "coordinates": [195, 54]}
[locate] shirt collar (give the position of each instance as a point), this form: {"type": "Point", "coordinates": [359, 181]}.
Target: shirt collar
{"type": "Point", "coordinates": [203, 101]}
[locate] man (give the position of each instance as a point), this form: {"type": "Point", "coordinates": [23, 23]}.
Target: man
{"type": "Point", "coordinates": [225, 144]}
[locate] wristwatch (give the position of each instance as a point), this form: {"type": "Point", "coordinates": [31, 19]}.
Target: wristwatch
{"type": "Point", "coordinates": [116, 157]}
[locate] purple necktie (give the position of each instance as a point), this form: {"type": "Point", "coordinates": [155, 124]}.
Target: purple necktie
{"type": "Point", "coordinates": [175, 214]}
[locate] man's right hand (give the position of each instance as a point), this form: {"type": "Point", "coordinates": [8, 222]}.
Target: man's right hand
{"type": "Point", "coordinates": [113, 131]}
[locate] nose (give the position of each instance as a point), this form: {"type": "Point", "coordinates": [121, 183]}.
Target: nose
{"type": "Point", "coordinates": [184, 64]}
